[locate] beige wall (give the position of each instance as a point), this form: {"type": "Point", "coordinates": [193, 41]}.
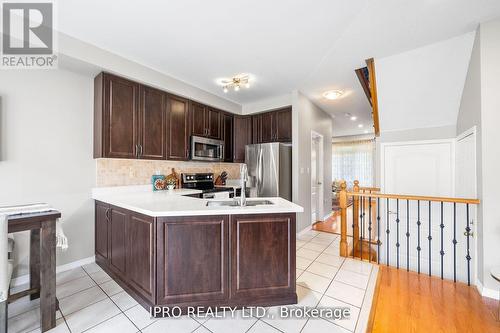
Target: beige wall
{"type": "Point", "coordinates": [46, 153]}
{"type": "Point", "coordinates": [120, 172]}
{"type": "Point", "coordinates": [307, 117]}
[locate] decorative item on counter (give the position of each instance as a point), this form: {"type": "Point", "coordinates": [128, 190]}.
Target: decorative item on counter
{"type": "Point", "coordinates": [221, 180]}
{"type": "Point", "coordinates": [158, 181]}
{"type": "Point", "coordinates": [173, 179]}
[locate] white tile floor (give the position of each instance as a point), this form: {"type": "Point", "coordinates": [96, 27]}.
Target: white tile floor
{"type": "Point", "coordinates": [90, 301]}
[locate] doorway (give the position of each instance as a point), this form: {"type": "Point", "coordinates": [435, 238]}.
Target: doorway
{"type": "Point", "coordinates": [316, 177]}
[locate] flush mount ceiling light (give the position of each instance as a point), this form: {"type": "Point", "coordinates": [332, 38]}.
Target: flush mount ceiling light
{"type": "Point", "coordinates": [360, 125]}
{"type": "Point", "coordinates": [235, 83]}
{"type": "Point", "coordinates": [333, 94]}
{"type": "Point", "coordinates": [353, 118]}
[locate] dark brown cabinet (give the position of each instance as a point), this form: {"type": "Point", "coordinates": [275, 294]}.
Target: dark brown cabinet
{"type": "Point", "coordinates": [193, 255]}
{"type": "Point", "coordinates": [215, 260]}
{"type": "Point", "coordinates": [274, 126]}
{"type": "Point", "coordinates": [205, 121]}
{"type": "Point", "coordinates": [177, 128]}
{"type": "Point", "coordinates": [115, 117]}
{"type": "Point", "coordinates": [262, 244]}
{"type": "Point", "coordinates": [242, 137]}
{"type": "Point", "coordinates": [152, 124]}
{"type": "Point", "coordinates": [227, 135]}
{"type": "Point", "coordinates": [101, 230]}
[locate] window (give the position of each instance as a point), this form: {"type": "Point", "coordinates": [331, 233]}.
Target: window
{"type": "Point", "coordinates": [353, 161]}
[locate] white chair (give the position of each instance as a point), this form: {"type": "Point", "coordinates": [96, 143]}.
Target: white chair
{"type": "Point", "coordinates": [6, 266]}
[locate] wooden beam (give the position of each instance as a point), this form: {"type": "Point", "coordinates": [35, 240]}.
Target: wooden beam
{"type": "Point", "coordinates": [373, 92]}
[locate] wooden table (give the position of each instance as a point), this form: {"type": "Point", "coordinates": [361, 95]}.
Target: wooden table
{"type": "Point", "coordinates": [42, 227]}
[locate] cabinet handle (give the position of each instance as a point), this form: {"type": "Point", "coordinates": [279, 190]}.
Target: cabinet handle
{"type": "Point", "coordinates": [107, 214]}
{"type": "Point", "coordinates": [141, 150]}
{"type": "Point", "coordinates": [136, 151]}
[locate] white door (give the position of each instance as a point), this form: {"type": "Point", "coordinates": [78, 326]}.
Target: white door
{"type": "Point", "coordinates": [418, 168]}
{"type": "Point", "coordinates": [466, 187]}
{"type": "Point", "coordinates": [316, 177]}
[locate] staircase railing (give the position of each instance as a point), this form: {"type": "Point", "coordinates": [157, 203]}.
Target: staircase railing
{"type": "Point", "coordinates": [409, 231]}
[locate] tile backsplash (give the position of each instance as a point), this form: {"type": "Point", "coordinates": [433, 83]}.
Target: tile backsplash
{"type": "Point", "coordinates": [120, 172]}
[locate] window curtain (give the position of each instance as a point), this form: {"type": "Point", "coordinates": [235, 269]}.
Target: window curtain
{"type": "Point", "coordinates": [353, 161]}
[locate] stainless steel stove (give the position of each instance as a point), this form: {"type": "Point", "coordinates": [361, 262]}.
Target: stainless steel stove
{"type": "Point", "coordinates": [205, 183]}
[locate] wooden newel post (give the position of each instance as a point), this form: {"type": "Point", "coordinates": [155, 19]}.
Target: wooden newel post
{"type": "Point", "coordinates": [355, 217]}
{"type": "Point", "coordinates": [343, 219]}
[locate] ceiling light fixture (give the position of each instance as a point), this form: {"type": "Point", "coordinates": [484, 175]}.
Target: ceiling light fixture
{"type": "Point", "coordinates": [235, 82]}
{"type": "Point", "coordinates": [360, 125]}
{"type": "Point", "coordinates": [353, 118]}
{"type": "Point", "coordinates": [333, 94]}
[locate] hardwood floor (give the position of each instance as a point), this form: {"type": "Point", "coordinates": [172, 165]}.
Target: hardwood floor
{"type": "Point", "coordinates": [408, 302]}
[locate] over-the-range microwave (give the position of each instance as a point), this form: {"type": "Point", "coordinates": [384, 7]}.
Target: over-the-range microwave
{"type": "Point", "coordinates": [205, 149]}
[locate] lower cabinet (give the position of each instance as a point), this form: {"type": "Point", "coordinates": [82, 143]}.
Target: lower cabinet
{"type": "Point", "coordinates": [228, 260]}
{"type": "Point", "coordinates": [193, 256]}
{"type": "Point", "coordinates": [262, 255]}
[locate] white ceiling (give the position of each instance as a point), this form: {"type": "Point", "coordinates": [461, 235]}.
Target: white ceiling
{"type": "Point", "coordinates": [285, 45]}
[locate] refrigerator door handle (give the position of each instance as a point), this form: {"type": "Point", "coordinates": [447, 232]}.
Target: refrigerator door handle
{"type": "Point", "coordinates": [259, 172]}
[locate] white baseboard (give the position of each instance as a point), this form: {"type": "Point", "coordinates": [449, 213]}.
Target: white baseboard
{"type": "Point", "coordinates": [24, 279]}
{"type": "Point", "coordinates": [304, 231]}
{"type": "Point", "coordinates": [487, 292]}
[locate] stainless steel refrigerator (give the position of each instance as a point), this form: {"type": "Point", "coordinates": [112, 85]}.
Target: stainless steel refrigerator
{"type": "Point", "coordinates": [269, 170]}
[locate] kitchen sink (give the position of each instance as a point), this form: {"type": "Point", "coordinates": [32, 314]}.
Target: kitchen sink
{"type": "Point", "coordinates": [233, 203]}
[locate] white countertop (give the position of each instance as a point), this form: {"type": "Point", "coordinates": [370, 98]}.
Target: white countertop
{"type": "Point", "coordinates": [143, 200]}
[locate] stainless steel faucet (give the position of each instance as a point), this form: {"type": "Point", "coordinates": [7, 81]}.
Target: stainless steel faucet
{"type": "Point", "coordinates": [243, 180]}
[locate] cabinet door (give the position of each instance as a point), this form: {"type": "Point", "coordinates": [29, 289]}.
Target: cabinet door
{"type": "Point", "coordinates": [227, 136]}
{"type": "Point", "coordinates": [120, 117]}
{"type": "Point", "coordinates": [117, 241]}
{"type": "Point", "coordinates": [213, 123]}
{"type": "Point", "coordinates": [198, 122]}
{"type": "Point", "coordinates": [177, 128]}
{"type": "Point", "coordinates": [192, 259]}
{"type": "Point", "coordinates": [283, 125]}
{"type": "Point", "coordinates": [152, 123]}
{"type": "Point", "coordinates": [101, 230]}
{"type": "Point", "coordinates": [242, 137]}
{"type": "Point", "coordinates": [256, 129]}
{"type": "Point", "coordinates": [262, 243]}
{"type": "Point", "coordinates": [140, 258]}
{"type": "Point", "coordinates": [267, 127]}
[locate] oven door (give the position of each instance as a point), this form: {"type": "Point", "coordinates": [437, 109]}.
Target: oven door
{"type": "Point", "coordinates": [204, 149]}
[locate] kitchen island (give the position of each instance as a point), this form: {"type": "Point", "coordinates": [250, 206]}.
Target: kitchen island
{"type": "Point", "coordinates": [169, 249]}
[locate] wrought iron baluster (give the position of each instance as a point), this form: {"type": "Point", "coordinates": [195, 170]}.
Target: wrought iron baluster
{"type": "Point", "coordinates": [387, 232]}
{"type": "Point", "coordinates": [442, 240]}
{"type": "Point", "coordinates": [419, 249]}
{"type": "Point", "coordinates": [407, 235]}
{"type": "Point", "coordinates": [397, 233]}
{"type": "Point", "coordinates": [378, 231]}
{"type": "Point", "coordinates": [467, 229]}
{"type": "Point", "coordinates": [361, 220]}
{"type": "Point", "coordinates": [455, 241]}
{"type": "Point", "coordinates": [430, 239]}
{"type": "Point", "coordinates": [369, 229]}
{"type": "Point", "coordinates": [352, 225]}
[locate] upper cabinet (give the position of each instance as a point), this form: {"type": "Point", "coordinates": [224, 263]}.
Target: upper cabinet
{"type": "Point", "coordinates": [152, 124]}
{"type": "Point", "coordinates": [116, 103]}
{"type": "Point", "coordinates": [227, 135]}
{"type": "Point", "coordinates": [132, 120]}
{"type": "Point", "coordinates": [274, 126]}
{"type": "Point", "coordinates": [178, 128]}
{"type": "Point", "coordinates": [205, 121]}
{"type": "Point", "coordinates": [242, 136]}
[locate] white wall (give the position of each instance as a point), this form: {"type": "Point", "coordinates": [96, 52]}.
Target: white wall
{"type": "Point", "coordinates": [422, 88]}
{"type": "Point", "coordinates": [307, 117]}
{"type": "Point", "coordinates": [490, 157]}
{"type": "Point", "coordinates": [267, 104]}
{"type": "Point", "coordinates": [46, 152]}
{"type": "Point", "coordinates": [101, 59]}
